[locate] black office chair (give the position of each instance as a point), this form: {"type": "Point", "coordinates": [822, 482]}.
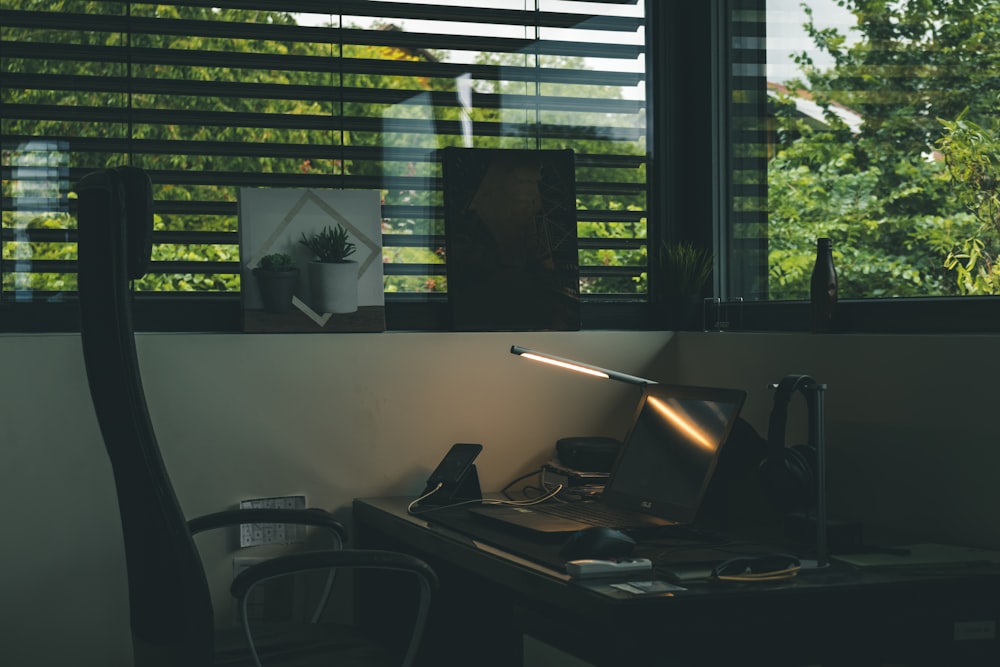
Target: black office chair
{"type": "Point", "coordinates": [172, 619]}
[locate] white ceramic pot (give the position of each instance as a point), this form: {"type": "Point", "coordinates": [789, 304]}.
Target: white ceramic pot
{"type": "Point", "coordinates": [334, 286]}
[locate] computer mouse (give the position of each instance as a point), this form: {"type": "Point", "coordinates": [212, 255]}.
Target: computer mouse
{"type": "Point", "coordinates": [597, 542]}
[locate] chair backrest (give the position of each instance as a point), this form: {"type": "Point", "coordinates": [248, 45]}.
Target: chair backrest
{"type": "Point", "coordinates": [170, 604]}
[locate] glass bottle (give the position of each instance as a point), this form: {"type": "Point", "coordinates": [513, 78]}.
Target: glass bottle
{"type": "Point", "coordinates": [823, 288]}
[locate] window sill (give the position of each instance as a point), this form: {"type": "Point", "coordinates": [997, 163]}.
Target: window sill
{"type": "Point", "coordinates": [207, 312]}
{"type": "Point", "coordinates": [891, 316]}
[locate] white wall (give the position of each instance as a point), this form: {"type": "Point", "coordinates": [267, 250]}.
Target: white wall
{"type": "Point", "coordinates": [242, 416]}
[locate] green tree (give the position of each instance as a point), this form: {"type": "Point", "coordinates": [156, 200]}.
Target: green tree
{"type": "Point", "coordinates": [883, 194]}
{"type": "Point", "coordinates": [972, 153]}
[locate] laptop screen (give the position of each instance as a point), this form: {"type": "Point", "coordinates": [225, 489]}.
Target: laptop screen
{"type": "Point", "coordinates": [671, 449]}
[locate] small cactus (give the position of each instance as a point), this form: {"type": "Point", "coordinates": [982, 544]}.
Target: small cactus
{"type": "Point", "coordinates": [278, 261]}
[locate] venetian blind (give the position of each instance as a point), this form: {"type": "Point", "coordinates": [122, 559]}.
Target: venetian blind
{"type": "Point", "coordinates": [748, 148]}
{"type": "Point", "coordinates": [210, 97]}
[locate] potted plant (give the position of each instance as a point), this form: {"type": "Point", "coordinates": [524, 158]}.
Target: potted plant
{"type": "Point", "coordinates": [276, 276]}
{"type": "Point", "coordinates": [686, 269]}
{"type": "Point", "coordinates": [333, 279]}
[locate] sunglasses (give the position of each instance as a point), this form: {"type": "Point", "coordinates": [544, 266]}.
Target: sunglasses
{"type": "Point", "coordinates": [770, 567]}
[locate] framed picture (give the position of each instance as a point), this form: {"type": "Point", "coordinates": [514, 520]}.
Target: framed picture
{"type": "Point", "coordinates": [285, 286]}
{"type": "Point", "coordinates": [510, 219]}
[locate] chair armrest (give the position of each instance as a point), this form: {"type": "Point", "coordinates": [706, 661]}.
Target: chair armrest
{"type": "Point", "coordinates": [316, 560]}
{"type": "Point", "coordinates": [306, 517]}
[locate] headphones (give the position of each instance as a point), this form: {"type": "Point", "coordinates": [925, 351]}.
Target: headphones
{"type": "Point", "coordinates": [788, 475]}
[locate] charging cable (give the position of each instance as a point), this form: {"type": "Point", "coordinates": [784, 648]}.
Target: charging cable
{"type": "Point", "coordinates": [414, 510]}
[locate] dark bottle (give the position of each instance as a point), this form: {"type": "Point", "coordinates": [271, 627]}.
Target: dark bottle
{"type": "Point", "coordinates": [823, 288]}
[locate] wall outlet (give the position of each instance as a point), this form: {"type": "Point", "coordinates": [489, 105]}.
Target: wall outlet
{"type": "Point", "coordinates": [255, 534]}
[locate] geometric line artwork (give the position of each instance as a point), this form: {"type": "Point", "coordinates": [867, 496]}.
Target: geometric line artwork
{"type": "Point", "coordinates": [273, 220]}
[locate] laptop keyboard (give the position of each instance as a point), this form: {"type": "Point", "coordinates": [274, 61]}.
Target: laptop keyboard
{"type": "Point", "coordinates": [595, 514]}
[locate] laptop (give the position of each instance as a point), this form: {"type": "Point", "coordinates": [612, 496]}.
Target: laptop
{"type": "Point", "coordinates": [661, 473]}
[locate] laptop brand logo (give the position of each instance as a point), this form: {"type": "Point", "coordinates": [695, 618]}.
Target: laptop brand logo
{"type": "Point", "coordinates": [646, 505]}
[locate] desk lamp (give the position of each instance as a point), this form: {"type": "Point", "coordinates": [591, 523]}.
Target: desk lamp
{"type": "Point", "coordinates": [597, 448]}
{"type": "Point", "coordinates": [812, 390]}
{"type": "Point", "coordinates": [586, 369]}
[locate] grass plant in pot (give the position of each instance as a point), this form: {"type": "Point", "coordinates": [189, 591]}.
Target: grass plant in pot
{"type": "Point", "coordinates": [686, 270]}
{"type": "Point", "coordinates": [333, 279]}
{"type": "Point", "coordinates": [276, 276]}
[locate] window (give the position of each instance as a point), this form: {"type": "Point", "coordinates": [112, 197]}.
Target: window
{"type": "Point", "coordinates": [210, 97]}
{"type": "Point", "coordinates": [874, 124]}
{"type": "Point", "coordinates": [726, 123]}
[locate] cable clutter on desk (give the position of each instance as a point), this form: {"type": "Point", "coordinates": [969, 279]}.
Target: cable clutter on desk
{"type": "Point", "coordinates": [581, 467]}
{"type": "Point", "coordinates": [651, 486]}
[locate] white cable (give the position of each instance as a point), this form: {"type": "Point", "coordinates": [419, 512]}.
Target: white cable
{"type": "Point", "coordinates": [480, 501]}
{"type": "Point", "coordinates": [409, 508]}
{"type": "Point", "coordinates": [533, 501]}
{"type": "Point", "coordinates": [328, 588]}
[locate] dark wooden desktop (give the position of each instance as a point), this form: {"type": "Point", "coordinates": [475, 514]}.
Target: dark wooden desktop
{"type": "Point", "coordinates": [490, 598]}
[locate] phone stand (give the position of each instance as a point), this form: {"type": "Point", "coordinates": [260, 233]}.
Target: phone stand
{"type": "Point", "coordinates": [465, 489]}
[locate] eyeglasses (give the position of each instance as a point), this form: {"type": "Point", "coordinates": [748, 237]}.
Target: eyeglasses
{"type": "Point", "coordinates": [770, 567]}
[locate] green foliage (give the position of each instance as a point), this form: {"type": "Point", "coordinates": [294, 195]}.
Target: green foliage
{"type": "Point", "coordinates": [972, 154]}
{"type": "Point", "coordinates": [686, 268]}
{"type": "Point", "coordinates": [329, 245]}
{"type": "Point", "coordinates": [817, 189]}
{"type": "Point", "coordinates": [883, 195]}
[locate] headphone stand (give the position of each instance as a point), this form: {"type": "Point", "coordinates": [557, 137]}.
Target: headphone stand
{"type": "Point", "coordinates": [795, 477]}
{"type": "Point", "coordinates": [817, 430]}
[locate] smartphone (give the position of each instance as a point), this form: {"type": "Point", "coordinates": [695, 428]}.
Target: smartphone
{"type": "Point", "coordinates": [455, 464]}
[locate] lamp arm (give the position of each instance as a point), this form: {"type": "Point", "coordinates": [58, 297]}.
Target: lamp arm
{"type": "Point", "coordinates": [579, 367]}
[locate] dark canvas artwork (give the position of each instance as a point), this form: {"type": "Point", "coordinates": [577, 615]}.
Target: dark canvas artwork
{"type": "Point", "coordinates": [510, 218]}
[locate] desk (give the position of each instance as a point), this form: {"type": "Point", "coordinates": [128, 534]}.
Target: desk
{"type": "Point", "coordinates": [491, 597]}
